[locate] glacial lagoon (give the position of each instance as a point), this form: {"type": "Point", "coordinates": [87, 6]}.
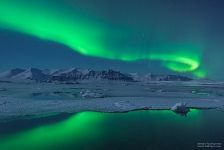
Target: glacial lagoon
{"type": "Point", "coordinates": [152, 129]}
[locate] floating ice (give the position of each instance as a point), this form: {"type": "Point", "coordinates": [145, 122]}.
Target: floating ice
{"type": "Point", "coordinates": [180, 108]}
{"type": "Point", "coordinates": [90, 94]}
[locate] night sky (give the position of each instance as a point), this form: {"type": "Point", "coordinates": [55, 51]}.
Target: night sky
{"type": "Point", "coordinates": [159, 36]}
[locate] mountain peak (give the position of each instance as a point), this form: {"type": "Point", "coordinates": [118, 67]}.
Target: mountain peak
{"type": "Point", "coordinates": [11, 73]}
{"type": "Point", "coordinates": [77, 74]}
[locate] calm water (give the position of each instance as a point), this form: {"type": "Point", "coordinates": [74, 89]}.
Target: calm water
{"type": "Point", "coordinates": [140, 130]}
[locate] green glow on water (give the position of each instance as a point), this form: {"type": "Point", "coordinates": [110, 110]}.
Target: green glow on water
{"type": "Point", "coordinates": [136, 130]}
{"type": "Point", "coordinates": [86, 127]}
{"type": "Point", "coordinates": [71, 131]}
{"type": "Point", "coordinates": [89, 36]}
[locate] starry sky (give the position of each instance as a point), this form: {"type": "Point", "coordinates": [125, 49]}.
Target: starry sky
{"type": "Point", "coordinates": [159, 36]}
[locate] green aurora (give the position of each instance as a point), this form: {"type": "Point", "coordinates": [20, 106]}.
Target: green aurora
{"type": "Point", "coordinates": [89, 36]}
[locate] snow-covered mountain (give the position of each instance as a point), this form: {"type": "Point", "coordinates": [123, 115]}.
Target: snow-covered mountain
{"type": "Point", "coordinates": [75, 74]}
{"type": "Point", "coordinates": [24, 74]}
{"type": "Point", "coordinates": [88, 74]}
{"type": "Point", "coordinates": [11, 73]}
{"type": "Point", "coordinates": [156, 77]}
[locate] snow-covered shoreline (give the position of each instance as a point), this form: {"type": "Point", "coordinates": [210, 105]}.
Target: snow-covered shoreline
{"type": "Point", "coordinates": [18, 100]}
{"type": "Point", "coordinates": [15, 108]}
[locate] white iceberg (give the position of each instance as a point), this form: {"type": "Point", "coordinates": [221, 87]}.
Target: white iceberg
{"type": "Point", "coordinates": [180, 108]}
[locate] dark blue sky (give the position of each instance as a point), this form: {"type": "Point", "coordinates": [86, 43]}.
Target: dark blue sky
{"type": "Point", "coordinates": [18, 50]}
{"type": "Point", "coordinates": [200, 21]}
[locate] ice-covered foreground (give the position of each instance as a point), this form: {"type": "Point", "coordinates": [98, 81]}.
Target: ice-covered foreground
{"type": "Point", "coordinates": [36, 99]}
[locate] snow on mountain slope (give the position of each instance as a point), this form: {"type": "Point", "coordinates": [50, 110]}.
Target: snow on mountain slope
{"type": "Point", "coordinates": [22, 74]}
{"type": "Point", "coordinates": [11, 73]}
{"type": "Point", "coordinates": [32, 74]}
{"type": "Point", "coordinates": [76, 74]}
{"type": "Point", "coordinates": [89, 74]}
{"type": "Point", "coordinates": [155, 77]}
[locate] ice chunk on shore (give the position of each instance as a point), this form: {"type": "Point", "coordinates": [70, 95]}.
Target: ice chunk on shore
{"type": "Point", "coordinates": [90, 94]}
{"type": "Point", "coordinates": [180, 108]}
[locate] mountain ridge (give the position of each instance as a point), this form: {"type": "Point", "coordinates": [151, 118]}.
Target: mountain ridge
{"type": "Point", "coordinates": [77, 74]}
